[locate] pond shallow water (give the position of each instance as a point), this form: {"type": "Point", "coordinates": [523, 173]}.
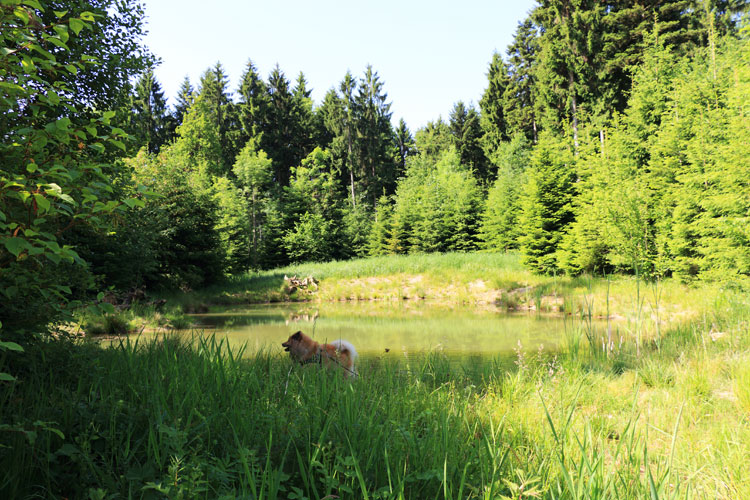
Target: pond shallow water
{"type": "Point", "coordinates": [396, 328]}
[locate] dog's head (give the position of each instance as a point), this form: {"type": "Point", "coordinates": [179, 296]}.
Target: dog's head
{"type": "Point", "coordinates": [293, 343]}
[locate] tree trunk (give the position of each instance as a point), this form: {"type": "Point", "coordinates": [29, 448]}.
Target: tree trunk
{"type": "Point", "coordinates": [574, 109]}
{"type": "Point", "coordinates": [255, 237]}
{"type": "Point", "coordinates": [349, 161]}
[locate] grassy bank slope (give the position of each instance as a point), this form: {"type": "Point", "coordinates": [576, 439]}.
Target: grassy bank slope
{"type": "Point", "coordinates": [481, 279]}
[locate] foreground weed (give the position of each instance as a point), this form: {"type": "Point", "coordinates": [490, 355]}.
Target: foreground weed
{"type": "Point", "coordinates": [742, 388]}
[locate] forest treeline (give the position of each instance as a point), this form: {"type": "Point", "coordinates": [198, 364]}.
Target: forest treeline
{"type": "Point", "coordinates": [611, 137]}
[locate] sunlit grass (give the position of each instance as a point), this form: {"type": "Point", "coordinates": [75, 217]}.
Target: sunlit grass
{"type": "Point", "coordinates": [486, 279]}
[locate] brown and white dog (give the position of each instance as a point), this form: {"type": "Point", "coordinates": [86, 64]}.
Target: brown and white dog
{"type": "Point", "coordinates": [305, 350]}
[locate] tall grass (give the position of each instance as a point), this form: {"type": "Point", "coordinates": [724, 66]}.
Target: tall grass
{"type": "Point", "coordinates": [170, 418]}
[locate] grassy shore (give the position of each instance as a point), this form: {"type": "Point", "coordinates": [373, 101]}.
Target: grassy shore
{"type": "Point", "coordinates": [173, 418]}
{"type": "Point", "coordinates": [488, 280]}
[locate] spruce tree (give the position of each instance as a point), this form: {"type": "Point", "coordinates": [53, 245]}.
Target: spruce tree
{"type": "Point", "coordinates": [380, 231]}
{"type": "Point", "coordinates": [499, 229]}
{"type": "Point", "coordinates": [338, 114]}
{"type": "Point", "coordinates": [284, 135]}
{"type": "Point", "coordinates": [405, 146]}
{"type": "Point", "coordinates": [215, 92]}
{"type": "Point", "coordinates": [519, 98]}
{"type": "Point", "coordinates": [566, 63]}
{"type": "Point", "coordinates": [152, 123]}
{"type": "Point", "coordinates": [546, 203]}
{"type": "Point", "coordinates": [304, 117]}
{"type": "Point", "coordinates": [434, 139]}
{"type": "Point", "coordinates": [467, 136]}
{"type": "Point", "coordinates": [493, 120]}
{"type": "Point", "coordinates": [252, 105]}
{"type": "Point", "coordinates": [185, 97]}
{"type": "Point", "coordinates": [373, 141]}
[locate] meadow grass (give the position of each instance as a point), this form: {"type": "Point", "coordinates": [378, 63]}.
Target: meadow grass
{"type": "Point", "coordinates": [172, 418]}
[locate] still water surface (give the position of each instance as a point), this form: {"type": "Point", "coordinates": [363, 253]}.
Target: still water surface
{"type": "Point", "coordinates": [400, 328]}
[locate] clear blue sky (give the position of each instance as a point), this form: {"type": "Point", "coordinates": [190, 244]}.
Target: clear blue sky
{"type": "Point", "coordinates": [429, 54]}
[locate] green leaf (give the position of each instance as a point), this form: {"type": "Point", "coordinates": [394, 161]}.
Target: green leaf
{"type": "Point", "coordinates": [16, 245]}
{"type": "Point", "coordinates": [76, 25]}
{"type": "Point", "coordinates": [62, 32]}
{"type": "Point", "coordinates": [59, 13]}
{"type": "Point", "coordinates": [42, 203]}
{"type": "Point", "coordinates": [71, 69]}
{"type": "Point", "coordinates": [56, 259]}
{"type": "Point", "coordinates": [56, 41]}
{"type": "Point", "coordinates": [6, 377]}
{"type": "Point", "coordinates": [21, 13]}
{"type": "Point", "coordinates": [68, 450]}
{"type": "Point", "coordinates": [10, 346]}
{"type": "Point", "coordinates": [63, 124]}
{"type": "Point", "coordinates": [53, 189]}
{"type": "Point", "coordinates": [31, 167]}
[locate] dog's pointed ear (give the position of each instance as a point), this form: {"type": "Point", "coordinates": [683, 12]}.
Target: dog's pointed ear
{"type": "Point", "coordinates": [297, 336]}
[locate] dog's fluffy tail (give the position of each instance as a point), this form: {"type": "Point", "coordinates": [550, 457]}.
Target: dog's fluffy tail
{"type": "Point", "coordinates": [344, 346]}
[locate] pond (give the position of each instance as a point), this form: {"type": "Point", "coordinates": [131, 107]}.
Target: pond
{"type": "Point", "coordinates": [396, 328]}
